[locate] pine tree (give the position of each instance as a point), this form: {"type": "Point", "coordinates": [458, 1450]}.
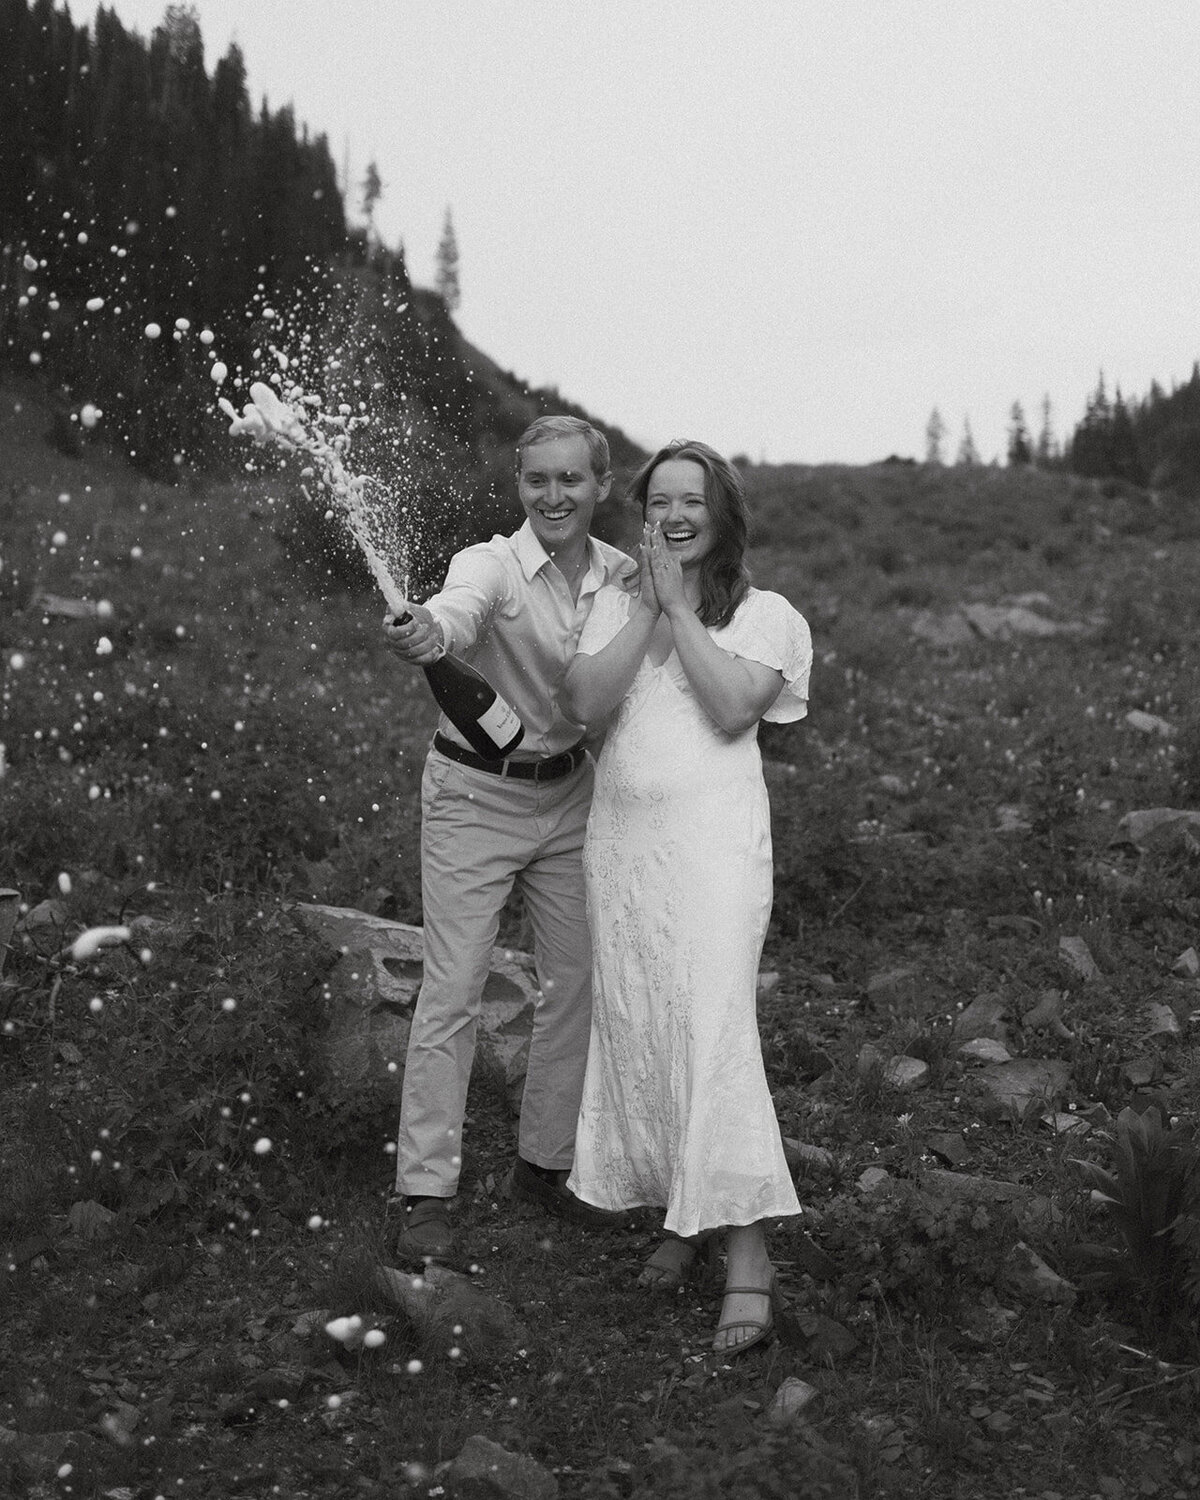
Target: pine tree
{"type": "Point", "coordinates": [1046, 452]}
{"type": "Point", "coordinates": [372, 191]}
{"type": "Point", "coordinates": [1019, 449]}
{"type": "Point", "coordinates": [935, 431]}
{"type": "Point", "coordinates": [447, 265]}
{"type": "Point", "coordinates": [967, 452]}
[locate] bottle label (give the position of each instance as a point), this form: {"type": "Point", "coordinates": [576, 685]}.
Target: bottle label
{"type": "Point", "coordinates": [500, 721]}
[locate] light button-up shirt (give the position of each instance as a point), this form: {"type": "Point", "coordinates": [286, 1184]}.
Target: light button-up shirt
{"type": "Point", "coordinates": [507, 609]}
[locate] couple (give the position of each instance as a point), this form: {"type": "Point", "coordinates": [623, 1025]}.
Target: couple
{"type": "Point", "coordinates": [645, 1084]}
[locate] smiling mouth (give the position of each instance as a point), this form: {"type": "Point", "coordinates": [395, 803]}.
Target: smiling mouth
{"type": "Point", "coordinates": [680, 536]}
{"type": "Point", "coordinates": [555, 515]}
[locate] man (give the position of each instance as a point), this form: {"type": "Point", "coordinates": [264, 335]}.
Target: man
{"type": "Point", "coordinates": [514, 607]}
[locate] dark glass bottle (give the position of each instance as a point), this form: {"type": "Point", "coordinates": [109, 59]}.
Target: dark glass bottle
{"type": "Point", "coordinates": [489, 724]}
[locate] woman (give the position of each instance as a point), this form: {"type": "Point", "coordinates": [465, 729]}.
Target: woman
{"type": "Point", "coordinates": [676, 1111]}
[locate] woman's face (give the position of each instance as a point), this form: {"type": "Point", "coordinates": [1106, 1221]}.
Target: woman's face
{"type": "Point", "coordinates": [675, 502]}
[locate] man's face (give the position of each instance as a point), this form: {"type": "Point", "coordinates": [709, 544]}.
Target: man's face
{"type": "Point", "coordinates": [559, 491]}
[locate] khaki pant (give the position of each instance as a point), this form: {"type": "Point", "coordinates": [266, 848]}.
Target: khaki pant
{"type": "Point", "coordinates": [480, 834]}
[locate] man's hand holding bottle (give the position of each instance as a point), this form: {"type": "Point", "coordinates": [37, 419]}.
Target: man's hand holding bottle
{"type": "Point", "coordinates": [415, 636]}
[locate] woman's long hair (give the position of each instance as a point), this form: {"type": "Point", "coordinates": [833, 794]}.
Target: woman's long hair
{"type": "Point", "coordinates": [723, 575]}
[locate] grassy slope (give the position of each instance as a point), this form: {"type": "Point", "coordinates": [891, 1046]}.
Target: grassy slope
{"type": "Point", "coordinates": [227, 677]}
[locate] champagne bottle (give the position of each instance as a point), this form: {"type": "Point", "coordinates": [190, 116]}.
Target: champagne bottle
{"type": "Point", "coordinates": [489, 725]}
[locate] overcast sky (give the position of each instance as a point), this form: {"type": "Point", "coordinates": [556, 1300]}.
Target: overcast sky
{"type": "Point", "coordinates": [789, 228]}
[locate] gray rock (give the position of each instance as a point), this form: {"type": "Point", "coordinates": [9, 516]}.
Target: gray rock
{"type": "Point", "coordinates": [1153, 829]}
{"type": "Point", "coordinates": [1046, 1015]}
{"type": "Point", "coordinates": [1141, 1072]}
{"type": "Point", "coordinates": [983, 1017]}
{"type": "Point", "coordinates": [826, 1339]}
{"type": "Point", "coordinates": [790, 1401]}
{"type": "Point", "coordinates": [90, 1220]}
{"type": "Point", "coordinates": [891, 986]}
{"type": "Point", "coordinates": [945, 630]}
{"type": "Point", "coordinates": [1078, 960]}
{"type": "Point", "coordinates": [804, 1159]}
{"type": "Point", "coordinates": [448, 1311]}
{"type": "Point", "coordinates": [1012, 817]}
{"type": "Point", "coordinates": [872, 1179]}
{"type": "Point", "coordinates": [1001, 622]}
{"type": "Point", "coordinates": [985, 1049]}
{"type": "Point", "coordinates": [974, 1189]}
{"type": "Point", "coordinates": [1014, 1088]}
{"type": "Point", "coordinates": [905, 1073]}
{"type": "Point", "coordinates": [1161, 1020]}
{"type": "Point", "coordinates": [484, 1470]}
{"type": "Point", "coordinates": [1187, 964]}
{"type": "Point", "coordinates": [950, 1146]}
{"type": "Point", "coordinates": [372, 987]}
{"type": "Point", "coordinates": [1027, 1275]}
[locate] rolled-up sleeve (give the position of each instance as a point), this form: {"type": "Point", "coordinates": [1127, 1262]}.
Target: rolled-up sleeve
{"type": "Point", "coordinates": [474, 589]}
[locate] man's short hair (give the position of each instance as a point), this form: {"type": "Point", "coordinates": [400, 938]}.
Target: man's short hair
{"type": "Point", "coordinates": [547, 428]}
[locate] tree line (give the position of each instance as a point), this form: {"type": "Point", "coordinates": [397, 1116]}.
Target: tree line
{"type": "Point", "coordinates": [1152, 442]}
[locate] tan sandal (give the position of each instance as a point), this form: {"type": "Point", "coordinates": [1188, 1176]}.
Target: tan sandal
{"type": "Point", "coordinates": [676, 1260]}
{"type": "Point", "coordinates": [762, 1333]}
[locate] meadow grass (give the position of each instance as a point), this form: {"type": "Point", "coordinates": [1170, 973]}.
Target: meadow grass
{"type": "Point", "coordinates": [224, 739]}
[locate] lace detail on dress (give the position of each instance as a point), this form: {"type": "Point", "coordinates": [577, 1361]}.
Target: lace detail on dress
{"type": "Point", "coordinates": [676, 1111]}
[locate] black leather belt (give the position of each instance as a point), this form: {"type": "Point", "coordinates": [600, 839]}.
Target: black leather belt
{"type": "Point", "coordinates": [553, 768]}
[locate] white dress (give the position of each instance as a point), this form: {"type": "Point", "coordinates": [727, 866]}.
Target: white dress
{"type": "Point", "coordinates": [676, 1112]}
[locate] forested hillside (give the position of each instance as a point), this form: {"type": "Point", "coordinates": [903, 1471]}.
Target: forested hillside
{"type": "Point", "coordinates": [153, 221]}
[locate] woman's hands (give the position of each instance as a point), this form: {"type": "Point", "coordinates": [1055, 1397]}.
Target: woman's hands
{"type": "Point", "coordinates": [666, 574]}
{"type": "Point", "coordinates": [647, 595]}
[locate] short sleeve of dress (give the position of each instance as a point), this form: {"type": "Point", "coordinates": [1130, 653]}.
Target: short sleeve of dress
{"type": "Point", "coordinates": [610, 610]}
{"type": "Point", "coordinates": [767, 629]}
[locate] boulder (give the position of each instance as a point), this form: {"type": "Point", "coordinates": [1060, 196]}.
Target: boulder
{"type": "Point", "coordinates": [1159, 829]}
{"type": "Point", "coordinates": [803, 1159]}
{"type": "Point", "coordinates": [792, 1397]}
{"type": "Point", "coordinates": [872, 1179]}
{"type": "Point", "coordinates": [1001, 622]}
{"type": "Point", "coordinates": [484, 1470]}
{"type": "Point", "coordinates": [1077, 959]}
{"type": "Point", "coordinates": [1161, 1020]}
{"type": "Point", "coordinates": [1013, 1088]}
{"type": "Point", "coordinates": [983, 1017]}
{"type": "Point", "coordinates": [369, 995]}
{"type": "Point", "coordinates": [972, 1188]}
{"type": "Point", "coordinates": [945, 630]}
{"type": "Point", "coordinates": [950, 1146]}
{"type": "Point", "coordinates": [1187, 964]}
{"type": "Point", "coordinates": [905, 1073]}
{"type": "Point", "coordinates": [447, 1310]}
{"type": "Point", "coordinates": [1028, 1276]}
{"type": "Point", "coordinates": [984, 1049]}
{"type": "Point", "coordinates": [893, 986]}
{"type": "Point", "coordinates": [1046, 1015]}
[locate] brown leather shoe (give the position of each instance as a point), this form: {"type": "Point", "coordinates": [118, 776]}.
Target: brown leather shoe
{"type": "Point", "coordinates": [528, 1186]}
{"type": "Point", "coordinates": [426, 1234]}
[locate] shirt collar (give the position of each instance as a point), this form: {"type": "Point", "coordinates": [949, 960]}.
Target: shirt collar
{"type": "Point", "coordinates": [533, 557]}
